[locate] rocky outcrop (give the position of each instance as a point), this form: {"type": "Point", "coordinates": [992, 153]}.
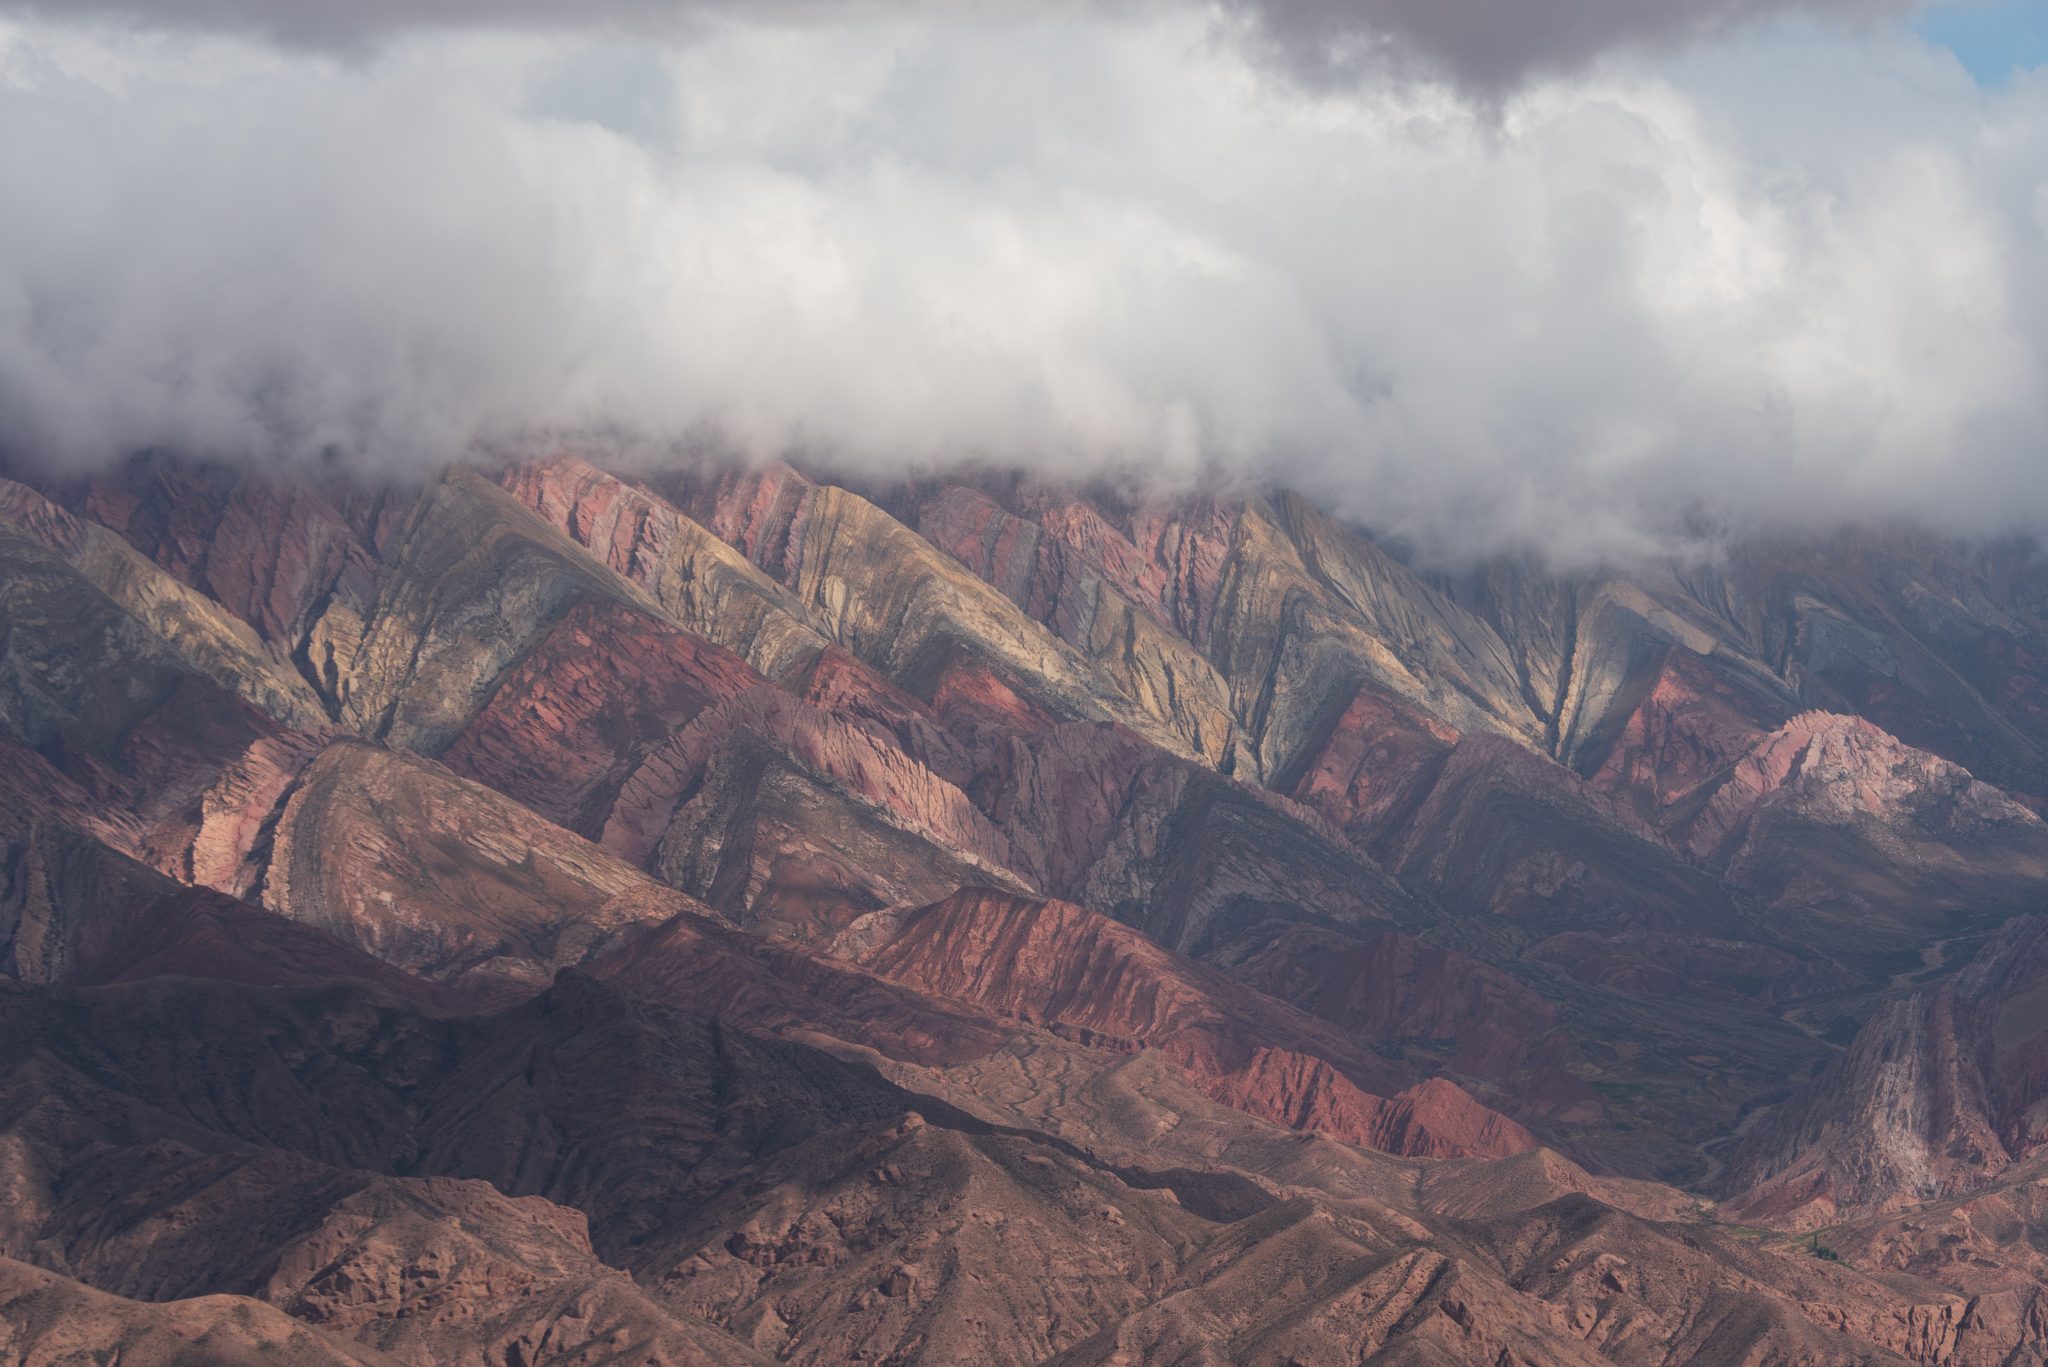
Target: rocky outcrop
{"type": "Point", "coordinates": [1845, 771]}
{"type": "Point", "coordinates": [48, 1320]}
{"type": "Point", "coordinates": [75, 911]}
{"type": "Point", "coordinates": [1052, 578]}
{"type": "Point", "coordinates": [848, 688]}
{"type": "Point", "coordinates": [1366, 774]}
{"type": "Point", "coordinates": [1202, 864]}
{"type": "Point", "coordinates": [1692, 724]}
{"type": "Point", "coordinates": [115, 582]}
{"type": "Point", "coordinates": [119, 728]}
{"type": "Point", "coordinates": [271, 549]}
{"type": "Point", "coordinates": [471, 582]}
{"type": "Point", "coordinates": [1939, 1094]}
{"type": "Point", "coordinates": [1984, 1245]}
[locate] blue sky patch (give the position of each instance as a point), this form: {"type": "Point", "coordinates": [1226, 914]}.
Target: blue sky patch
{"type": "Point", "coordinates": [1993, 38]}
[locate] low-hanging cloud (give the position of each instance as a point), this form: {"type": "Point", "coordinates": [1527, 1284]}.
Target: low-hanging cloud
{"type": "Point", "coordinates": [1794, 279]}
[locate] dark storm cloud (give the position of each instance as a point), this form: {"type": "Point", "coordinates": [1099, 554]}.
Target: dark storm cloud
{"type": "Point", "coordinates": [1493, 44]}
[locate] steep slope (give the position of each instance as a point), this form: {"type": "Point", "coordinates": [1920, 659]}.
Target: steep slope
{"type": "Point", "coordinates": [1198, 862]}
{"type": "Point", "coordinates": [182, 623]}
{"type": "Point", "coordinates": [448, 879]}
{"type": "Point", "coordinates": [890, 597]}
{"type": "Point", "coordinates": [704, 585]}
{"type": "Point", "coordinates": [272, 546]}
{"type": "Point", "coordinates": [566, 725]}
{"type": "Point", "coordinates": [1888, 847]}
{"type": "Point", "coordinates": [74, 910]}
{"type": "Point", "coordinates": [1286, 606]}
{"type": "Point", "coordinates": [1047, 576]}
{"type": "Point", "coordinates": [1053, 964]}
{"type": "Point", "coordinates": [790, 819]}
{"type": "Point", "coordinates": [140, 728]}
{"type": "Point", "coordinates": [470, 583]}
{"type": "Point", "coordinates": [1940, 1093]}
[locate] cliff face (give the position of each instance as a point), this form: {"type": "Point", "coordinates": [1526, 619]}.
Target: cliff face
{"type": "Point", "coordinates": [551, 912]}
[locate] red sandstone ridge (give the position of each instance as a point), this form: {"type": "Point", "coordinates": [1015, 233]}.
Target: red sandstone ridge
{"type": "Point", "coordinates": [568, 724]}
{"type": "Point", "coordinates": [1433, 1119]}
{"type": "Point", "coordinates": [1692, 724]}
{"type": "Point", "coordinates": [1377, 761]}
{"type": "Point", "coordinates": [1055, 558]}
{"type": "Point", "coordinates": [1054, 964]}
{"type": "Point", "coordinates": [705, 585]}
{"type": "Point", "coordinates": [788, 818]}
{"type": "Point", "coordinates": [267, 550]}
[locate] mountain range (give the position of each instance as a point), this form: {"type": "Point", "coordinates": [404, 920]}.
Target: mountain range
{"type": "Point", "coordinates": [574, 912]}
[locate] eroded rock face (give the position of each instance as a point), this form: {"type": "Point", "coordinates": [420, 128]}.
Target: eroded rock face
{"type": "Point", "coordinates": [568, 723]}
{"type": "Point", "coordinates": [789, 818]}
{"type": "Point", "coordinates": [1051, 573]}
{"type": "Point", "coordinates": [1940, 1093]}
{"type": "Point", "coordinates": [444, 878]}
{"type": "Point", "coordinates": [706, 586]}
{"type": "Point", "coordinates": [1692, 725]}
{"type": "Point", "coordinates": [117, 590]}
{"type": "Point", "coordinates": [774, 1203]}
{"type": "Point", "coordinates": [1890, 847]}
{"type": "Point", "coordinates": [1057, 965]}
{"type": "Point", "coordinates": [1410, 997]}
{"type": "Point", "coordinates": [471, 582]}
{"type": "Point", "coordinates": [894, 599]}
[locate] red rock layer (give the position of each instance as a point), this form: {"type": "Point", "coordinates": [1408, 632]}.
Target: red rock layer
{"type": "Point", "coordinates": [764, 802]}
{"type": "Point", "coordinates": [1378, 760]}
{"type": "Point", "coordinates": [1165, 556]}
{"type": "Point", "coordinates": [1399, 991]}
{"type": "Point", "coordinates": [1054, 964]}
{"type": "Point", "coordinates": [1691, 725]}
{"type": "Point", "coordinates": [571, 721]}
{"type": "Point", "coordinates": [848, 688]}
{"type": "Point", "coordinates": [266, 550]}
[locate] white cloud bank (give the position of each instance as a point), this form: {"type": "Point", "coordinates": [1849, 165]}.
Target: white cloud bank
{"type": "Point", "coordinates": [1796, 277]}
